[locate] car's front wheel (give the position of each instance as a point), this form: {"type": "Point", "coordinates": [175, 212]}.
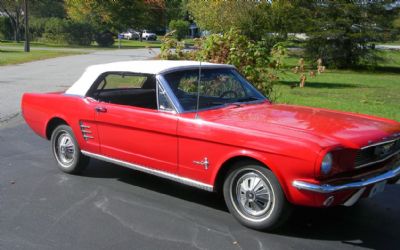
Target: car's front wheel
{"type": "Point", "coordinates": [66, 150]}
{"type": "Point", "coordinates": [254, 196]}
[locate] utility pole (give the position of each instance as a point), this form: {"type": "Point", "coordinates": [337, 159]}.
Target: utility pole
{"type": "Point", "coordinates": [26, 44]}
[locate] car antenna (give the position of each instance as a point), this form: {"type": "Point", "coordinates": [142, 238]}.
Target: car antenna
{"type": "Point", "coordinates": [198, 93]}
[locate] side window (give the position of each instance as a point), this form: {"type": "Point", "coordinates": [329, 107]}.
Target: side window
{"type": "Point", "coordinates": [123, 81]}
{"type": "Point", "coordinates": [124, 88]}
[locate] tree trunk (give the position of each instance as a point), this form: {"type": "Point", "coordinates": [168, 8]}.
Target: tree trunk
{"type": "Point", "coordinates": [14, 27]}
{"type": "Point", "coordinates": [17, 25]}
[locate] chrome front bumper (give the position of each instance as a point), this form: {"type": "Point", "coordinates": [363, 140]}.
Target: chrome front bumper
{"type": "Point", "coordinates": [326, 188]}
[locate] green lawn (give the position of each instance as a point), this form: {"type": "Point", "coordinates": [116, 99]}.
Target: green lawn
{"type": "Point", "coordinates": [18, 56]}
{"type": "Point", "coordinates": [371, 92]}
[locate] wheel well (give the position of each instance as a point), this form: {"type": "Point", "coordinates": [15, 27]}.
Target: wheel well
{"type": "Point", "coordinates": [52, 124]}
{"type": "Point", "coordinates": [227, 165]}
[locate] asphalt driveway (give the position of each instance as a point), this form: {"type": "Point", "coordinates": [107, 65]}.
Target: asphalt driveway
{"type": "Point", "coordinates": [111, 207]}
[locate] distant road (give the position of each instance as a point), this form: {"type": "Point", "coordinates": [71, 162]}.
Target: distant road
{"type": "Point", "coordinates": [387, 47]}
{"type": "Point", "coordinates": [53, 75]}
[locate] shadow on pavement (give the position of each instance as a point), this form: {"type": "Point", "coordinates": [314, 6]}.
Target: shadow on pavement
{"type": "Point", "coordinates": [369, 224]}
{"type": "Point", "coordinates": [99, 169]}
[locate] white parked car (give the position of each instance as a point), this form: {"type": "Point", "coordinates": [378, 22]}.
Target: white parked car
{"type": "Point", "coordinates": [131, 34]}
{"type": "Point", "coordinates": [147, 35]}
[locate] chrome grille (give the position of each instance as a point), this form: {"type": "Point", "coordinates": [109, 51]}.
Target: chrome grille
{"type": "Point", "coordinates": [376, 153]}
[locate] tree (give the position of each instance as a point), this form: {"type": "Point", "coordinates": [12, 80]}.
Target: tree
{"type": "Point", "coordinates": [255, 19]}
{"type": "Point", "coordinates": [47, 8]}
{"type": "Point", "coordinates": [14, 10]}
{"type": "Point", "coordinates": [341, 31]}
{"type": "Point", "coordinates": [175, 9]}
{"type": "Point", "coordinates": [180, 27]}
{"type": "Point", "coordinates": [220, 16]}
{"type": "Point", "coordinates": [108, 14]}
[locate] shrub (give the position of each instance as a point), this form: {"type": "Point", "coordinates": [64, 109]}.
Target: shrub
{"type": "Point", "coordinates": [250, 58]}
{"type": "Point", "coordinates": [171, 49]}
{"type": "Point", "coordinates": [55, 31]}
{"type": "Point", "coordinates": [79, 33]}
{"type": "Point", "coordinates": [105, 39]}
{"type": "Point", "coordinates": [340, 52]}
{"type": "Point", "coordinates": [180, 27]}
{"type": "Point", "coordinates": [61, 31]}
{"type": "Point", "coordinates": [37, 28]}
{"type": "Point", "coordinates": [5, 28]}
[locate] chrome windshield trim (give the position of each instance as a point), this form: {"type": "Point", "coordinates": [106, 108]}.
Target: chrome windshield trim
{"type": "Point", "coordinates": [326, 188]}
{"type": "Point", "coordinates": [170, 93]}
{"type": "Point", "coordinates": [226, 105]}
{"type": "Point", "coordinates": [378, 161]}
{"type": "Point", "coordinates": [158, 86]}
{"type": "Point", "coordinates": [155, 172]}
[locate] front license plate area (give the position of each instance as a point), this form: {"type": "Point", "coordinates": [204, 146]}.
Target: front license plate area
{"type": "Point", "coordinates": [377, 188]}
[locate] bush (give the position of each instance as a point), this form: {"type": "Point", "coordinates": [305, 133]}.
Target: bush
{"type": "Point", "coordinates": [62, 31]}
{"type": "Point", "coordinates": [180, 28]}
{"type": "Point", "coordinates": [250, 58]}
{"type": "Point", "coordinates": [79, 33]}
{"type": "Point", "coordinates": [105, 39]}
{"type": "Point", "coordinates": [55, 31]}
{"type": "Point", "coordinates": [5, 28]}
{"type": "Point", "coordinates": [37, 28]}
{"type": "Point", "coordinates": [340, 52]}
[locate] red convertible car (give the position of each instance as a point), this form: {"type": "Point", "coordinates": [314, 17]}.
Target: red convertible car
{"type": "Point", "coordinates": [205, 125]}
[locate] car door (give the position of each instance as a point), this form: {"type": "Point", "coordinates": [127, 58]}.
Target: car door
{"type": "Point", "coordinates": [131, 126]}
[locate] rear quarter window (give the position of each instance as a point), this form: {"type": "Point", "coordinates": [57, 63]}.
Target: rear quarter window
{"type": "Point", "coordinates": [115, 81]}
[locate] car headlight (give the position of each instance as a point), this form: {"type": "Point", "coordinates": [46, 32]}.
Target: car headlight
{"type": "Point", "coordinates": [326, 165]}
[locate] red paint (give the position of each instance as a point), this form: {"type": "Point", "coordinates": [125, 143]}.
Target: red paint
{"type": "Point", "coordinates": [290, 140]}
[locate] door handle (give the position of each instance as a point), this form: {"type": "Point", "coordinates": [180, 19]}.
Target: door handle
{"type": "Point", "coordinates": [101, 109]}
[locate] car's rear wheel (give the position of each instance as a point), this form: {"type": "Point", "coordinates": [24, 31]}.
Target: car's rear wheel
{"type": "Point", "coordinates": [66, 150]}
{"type": "Point", "coordinates": [255, 198]}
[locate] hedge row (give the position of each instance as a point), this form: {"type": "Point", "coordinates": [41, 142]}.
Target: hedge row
{"type": "Point", "coordinates": [59, 31]}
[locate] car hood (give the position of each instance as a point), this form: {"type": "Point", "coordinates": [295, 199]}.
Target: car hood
{"type": "Point", "coordinates": [321, 126]}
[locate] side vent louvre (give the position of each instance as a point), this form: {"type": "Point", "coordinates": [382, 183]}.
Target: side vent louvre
{"type": "Point", "coordinates": [86, 132]}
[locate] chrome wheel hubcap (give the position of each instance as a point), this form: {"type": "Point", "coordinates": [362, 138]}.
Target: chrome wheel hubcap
{"type": "Point", "coordinates": [253, 194]}
{"type": "Point", "coordinates": [65, 149]}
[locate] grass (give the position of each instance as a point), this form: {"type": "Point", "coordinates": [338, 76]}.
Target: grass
{"type": "Point", "coordinates": [125, 44]}
{"type": "Point", "coordinates": [374, 92]}
{"type": "Point", "coordinates": [12, 52]}
{"type": "Point", "coordinates": [18, 56]}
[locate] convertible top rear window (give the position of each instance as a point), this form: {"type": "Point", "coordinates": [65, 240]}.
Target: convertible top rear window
{"type": "Point", "coordinates": [218, 86]}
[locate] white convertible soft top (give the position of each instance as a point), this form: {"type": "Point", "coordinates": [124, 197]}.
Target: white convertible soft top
{"type": "Point", "coordinates": [83, 84]}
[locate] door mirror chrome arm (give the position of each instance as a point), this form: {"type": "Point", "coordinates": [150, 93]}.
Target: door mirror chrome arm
{"type": "Point", "coordinates": [100, 109]}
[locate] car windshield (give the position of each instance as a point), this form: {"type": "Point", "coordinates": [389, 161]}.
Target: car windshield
{"type": "Point", "coordinates": [218, 86]}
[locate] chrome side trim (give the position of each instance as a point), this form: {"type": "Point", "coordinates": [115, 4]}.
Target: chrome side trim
{"type": "Point", "coordinates": [326, 188]}
{"type": "Point", "coordinates": [378, 161]}
{"type": "Point", "coordinates": [155, 172]}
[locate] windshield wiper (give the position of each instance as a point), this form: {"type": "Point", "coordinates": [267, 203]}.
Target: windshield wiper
{"type": "Point", "coordinates": [247, 99]}
{"type": "Point", "coordinates": [242, 101]}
